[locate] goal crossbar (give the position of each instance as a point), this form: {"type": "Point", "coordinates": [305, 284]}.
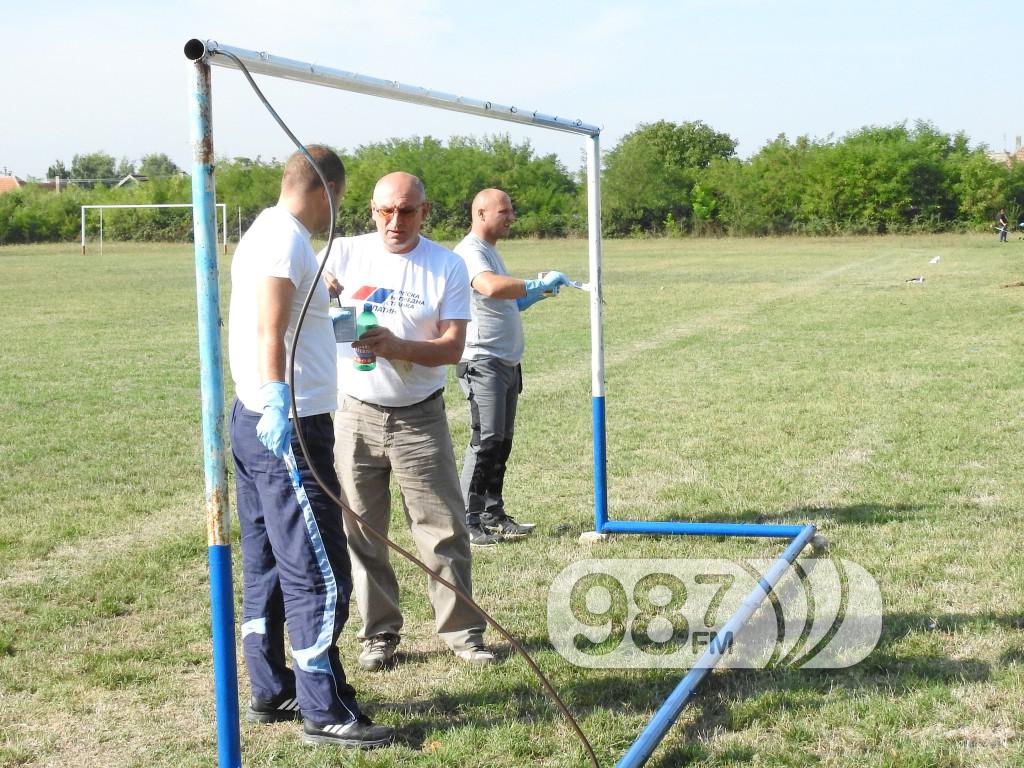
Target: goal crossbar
{"type": "Point", "coordinates": [264, 63]}
{"type": "Point", "coordinates": [222, 206]}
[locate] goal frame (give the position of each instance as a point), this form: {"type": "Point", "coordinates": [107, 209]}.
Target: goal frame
{"type": "Point", "coordinates": [203, 55]}
{"type": "Point", "coordinates": [223, 218]}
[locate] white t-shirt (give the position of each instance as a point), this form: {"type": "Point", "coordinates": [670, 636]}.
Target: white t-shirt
{"type": "Point", "coordinates": [496, 329]}
{"type": "Point", "coordinates": [277, 245]}
{"type": "Point", "coordinates": [411, 294]}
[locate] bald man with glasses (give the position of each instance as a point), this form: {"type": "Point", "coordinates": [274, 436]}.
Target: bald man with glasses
{"type": "Point", "coordinates": [391, 420]}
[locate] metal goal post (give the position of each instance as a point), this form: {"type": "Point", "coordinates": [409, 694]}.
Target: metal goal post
{"type": "Point", "coordinates": [223, 218]}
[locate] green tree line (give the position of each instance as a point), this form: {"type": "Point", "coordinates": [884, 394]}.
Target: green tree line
{"type": "Point", "coordinates": [662, 179]}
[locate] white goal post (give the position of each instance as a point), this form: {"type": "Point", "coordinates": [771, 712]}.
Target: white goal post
{"type": "Point", "coordinates": [223, 218]}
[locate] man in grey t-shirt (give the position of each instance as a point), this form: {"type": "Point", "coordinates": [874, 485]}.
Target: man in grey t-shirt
{"type": "Point", "coordinates": [489, 372]}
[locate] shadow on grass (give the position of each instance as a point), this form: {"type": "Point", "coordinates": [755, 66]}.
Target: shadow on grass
{"type": "Point", "coordinates": [865, 513]}
{"type": "Point", "coordinates": [904, 660]}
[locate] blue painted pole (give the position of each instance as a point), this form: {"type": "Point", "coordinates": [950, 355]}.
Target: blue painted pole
{"type": "Point", "coordinates": [670, 710]}
{"type": "Point", "coordinates": [600, 468]}
{"type": "Point", "coordinates": [701, 529]}
{"type": "Point", "coordinates": [222, 603]}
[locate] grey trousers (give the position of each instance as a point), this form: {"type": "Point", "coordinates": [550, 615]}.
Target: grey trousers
{"type": "Point", "coordinates": [492, 388]}
{"type": "Point", "coordinates": [414, 444]}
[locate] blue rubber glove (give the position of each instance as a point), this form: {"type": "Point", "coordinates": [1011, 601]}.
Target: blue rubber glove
{"type": "Point", "coordinates": [527, 301]}
{"type": "Point", "coordinates": [552, 280]}
{"type": "Point", "coordinates": [274, 429]}
{"type": "Point", "coordinates": [541, 289]}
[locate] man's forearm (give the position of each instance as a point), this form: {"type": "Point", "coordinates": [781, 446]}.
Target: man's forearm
{"type": "Point", "coordinates": [427, 353]}
{"type": "Point", "coordinates": [273, 305]}
{"type": "Point", "coordinates": [499, 286]}
{"type": "Point", "coordinates": [272, 359]}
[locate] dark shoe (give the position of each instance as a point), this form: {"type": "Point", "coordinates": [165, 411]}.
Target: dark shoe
{"type": "Point", "coordinates": [360, 733]}
{"type": "Point", "coordinates": [507, 527]}
{"type": "Point", "coordinates": [378, 652]}
{"type": "Point", "coordinates": [279, 710]}
{"type": "Point", "coordinates": [478, 537]}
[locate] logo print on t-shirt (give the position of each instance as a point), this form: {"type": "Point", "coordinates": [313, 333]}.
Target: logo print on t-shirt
{"type": "Point", "coordinates": [372, 293]}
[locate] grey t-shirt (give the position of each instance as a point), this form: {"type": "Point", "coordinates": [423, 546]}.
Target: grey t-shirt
{"type": "Point", "coordinates": [496, 329]}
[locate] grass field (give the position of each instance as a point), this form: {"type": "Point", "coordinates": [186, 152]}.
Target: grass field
{"type": "Point", "coordinates": [778, 380]}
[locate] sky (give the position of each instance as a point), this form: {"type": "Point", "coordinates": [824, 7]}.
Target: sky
{"type": "Point", "coordinates": [110, 75]}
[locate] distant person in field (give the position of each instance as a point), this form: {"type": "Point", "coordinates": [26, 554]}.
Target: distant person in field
{"type": "Point", "coordinates": [295, 564]}
{"type": "Point", "coordinates": [490, 372]}
{"type": "Point", "coordinates": [1004, 225]}
{"type": "Point", "coordinates": [391, 420]}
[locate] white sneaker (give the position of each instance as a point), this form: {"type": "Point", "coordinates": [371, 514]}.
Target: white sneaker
{"type": "Point", "coordinates": [478, 655]}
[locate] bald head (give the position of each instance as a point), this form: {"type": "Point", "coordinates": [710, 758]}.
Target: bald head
{"type": "Point", "coordinates": [399, 183]}
{"type": "Point", "coordinates": [492, 215]}
{"type": "Point", "coordinates": [399, 206]}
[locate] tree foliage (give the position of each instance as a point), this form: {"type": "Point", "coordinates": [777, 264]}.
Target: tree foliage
{"type": "Point", "coordinates": [662, 179]}
{"type": "Point", "coordinates": [541, 189]}
{"type": "Point", "coordinates": [544, 192]}
{"type": "Point", "coordinates": [157, 165]}
{"type": "Point", "coordinates": [57, 170]}
{"type": "Point", "coordinates": [872, 181]}
{"type": "Point", "coordinates": [649, 176]}
{"type": "Point", "coordinates": [94, 166]}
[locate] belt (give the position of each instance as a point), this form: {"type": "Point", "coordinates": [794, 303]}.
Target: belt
{"type": "Point", "coordinates": [394, 408]}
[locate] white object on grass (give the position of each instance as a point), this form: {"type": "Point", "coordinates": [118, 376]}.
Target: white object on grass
{"type": "Point", "coordinates": [934, 261]}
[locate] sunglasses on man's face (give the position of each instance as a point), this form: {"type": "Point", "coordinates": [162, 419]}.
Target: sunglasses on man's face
{"type": "Point", "coordinates": [388, 212]}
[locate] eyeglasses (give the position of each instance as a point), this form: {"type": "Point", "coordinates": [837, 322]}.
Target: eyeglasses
{"type": "Point", "coordinates": [390, 211]}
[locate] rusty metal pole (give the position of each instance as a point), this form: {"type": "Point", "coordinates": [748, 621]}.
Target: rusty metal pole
{"type": "Point", "coordinates": [222, 604]}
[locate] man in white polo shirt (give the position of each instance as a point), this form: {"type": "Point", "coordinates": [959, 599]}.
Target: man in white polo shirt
{"type": "Point", "coordinates": [391, 420]}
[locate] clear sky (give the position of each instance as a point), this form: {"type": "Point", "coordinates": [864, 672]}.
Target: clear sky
{"type": "Point", "coordinates": [109, 75]}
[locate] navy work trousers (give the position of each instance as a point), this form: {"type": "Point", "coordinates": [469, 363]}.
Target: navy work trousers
{"type": "Point", "coordinates": [295, 568]}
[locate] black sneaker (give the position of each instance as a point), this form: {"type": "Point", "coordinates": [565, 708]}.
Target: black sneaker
{"type": "Point", "coordinates": [506, 527]}
{"type": "Point", "coordinates": [360, 733]}
{"type": "Point", "coordinates": [478, 537]}
{"type": "Point", "coordinates": [279, 710]}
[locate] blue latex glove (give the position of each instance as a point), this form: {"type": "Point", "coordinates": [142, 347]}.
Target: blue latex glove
{"type": "Point", "coordinates": [540, 289]}
{"type": "Point", "coordinates": [527, 301]}
{"type": "Point", "coordinates": [274, 429]}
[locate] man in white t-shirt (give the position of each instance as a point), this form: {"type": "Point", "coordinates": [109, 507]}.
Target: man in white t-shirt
{"type": "Point", "coordinates": [295, 563]}
{"type": "Point", "coordinates": [489, 373]}
{"type": "Point", "coordinates": [391, 420]}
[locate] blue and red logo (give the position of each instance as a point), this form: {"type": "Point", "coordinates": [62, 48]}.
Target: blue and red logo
{"type": "Point", "coordinates": [372, 294]}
